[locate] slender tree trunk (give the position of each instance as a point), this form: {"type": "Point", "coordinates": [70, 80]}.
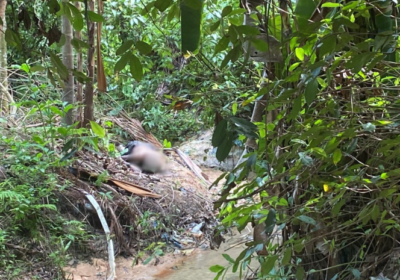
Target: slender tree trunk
{"type": "Point", "coordinates": [88, 112]}
{"type": "Point", "coordinates": [257, 115]}
{"type": "Point", "coordinates": [4, 104]}
{"type": "Point", "coordinates": [79, 86]}
{"type": "Point", "coordinates": [68, 60]}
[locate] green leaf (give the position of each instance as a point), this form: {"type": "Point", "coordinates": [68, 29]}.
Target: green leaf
{"type": "Point", "coordinates": [77, 20]}
{"type": "Point", "coordinates": [287, 256]}
{"type": "Point", "coordinates": [337, 156]}
{"type": "Point", "coordinates": [303, 11]}
{"type": "Point", "coordinates": [56, 111]}
{"type": "Point", "coordinates": [219, 133]}
{"type": "Point", "coordinates": [94, 17]}
{"type": "Point", "coordinates": [305, 159]}
{"type": "Point", "coordinates": [25, 67]}
{"type": "Point", "coordinates": [300, 53]}
{"type": "Point", "coordinates": [228, 258]}
{"type": "Point", "coordinates": [195, 5]}
{"type": "Point", "coordinates": [336, 208]}
{"type": "Point", "coordinates": [328, 45]}
{"type": "Point", "coordinates": [259, 44]}
{"type": "Point", "coordinates": [387, 193]}
{"type": "Point", "coordinates": [375, 213]}
{"type": "Point", "coordinates": [61, 69]}
{"type": "Point", "coordinates": [226, 11]}
{"type": "Point", "coordinates": [51, 78]}
{"type": "Point", "coordinates": [270, 221]}
{"type": "Point", "coordinates": [216, 268]}
{"type": "Point", "coordinates": [80, 76]}
{"type": "Point", "coordinates": [230, 56]}
{"type": "Point", "coordinates": [296, 108]}
{"type": "Point", "coordinates": [174, 11]}
{"type": "Point", "coordinates": [356, 273]}
{"type": "Point", "coordinates": [218, 275]}
{"type": "Point", "coordinates": [299, 272]}
{"type": "Point", "coordinates": [246, 30]}
{"type": "Point", "coordinates": [97, 129]}
{"type": "Point", "coordinates": [307, 220]}
{"type": "Point", "coordinates": [357, 62]}
{"type": "Point", "coordinates": [162, 5]}
{"type": "Point", "coordinates": [191, 14]}
{"type": "Point", "coordinates": [311, 91]}
{"type": "Point", "coordinates": [121, 63]}
{"type": "Point", "coordinates": [124, 47]}
{"type": "Point", "coordinates": [36, 68]}
{"type": "Point", "coordinates": [62, 41]}
{"type": "Point", "coordinates": [330, 5]}
{"type": "Point", "coordinates": [13, 39]}
{"type": "Point", "coordinates": [344, 21]}
{"type": "Point", "coordinates": [251, 161]}
{"type": "Point", "coordinates": [38, 139]}
{"type": "Point", "coordinates": [319, 151]}
{"type": "Point", "coordinates": [146, 261]}
{"type": "Point", "coordinates": [143, 47]}
{"type": "Point", "coordinates": [246, 124]}
{"type": "Point", "coordinates": [238, 259]}
{"type": "Point", "coordinates": [294, 66]}
{"type": "Point", "coordinates": [234, 108]}
{"type": "Point", "coordinates": [66, 11]}
{"type": "Point", "coordinates": [53, 5]}
{"type": "Point", "coordinates": [268, 265]}
{"type": "Point", "coordinates": [215, 25]}
{"type": "Point", "coordinates": [245, 127]}
{"type": "Point", "coordinates": [79, 44]}
{"type": "Point", "coordinates": [225, 147]}
{"type": "Point", "coordinates": [222, 44]}
{"type": "Point", "coordinates": [350, 5]}
{"type": "Point", "coordinates": [136, 67]}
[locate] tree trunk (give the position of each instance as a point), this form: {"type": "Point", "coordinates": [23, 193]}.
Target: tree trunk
{"type": "Point", "coordinates": [68, 60]}
{"type": "Point", "coordinates": [257, 115]}
{"type": "Point", "coordinates": [88, 112]}
{"type": "Point", "coordinates": [79, 86]}
{"type": "Point", "coordinates": [4, 104]}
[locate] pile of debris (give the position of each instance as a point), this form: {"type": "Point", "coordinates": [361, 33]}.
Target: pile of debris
{"type": "Point", "coordinates": [174, 206]}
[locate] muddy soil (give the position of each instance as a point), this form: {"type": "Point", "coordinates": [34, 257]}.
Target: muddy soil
{"type": "Point", "coordinates": [195, 265]}
{"type": "Point", "coordinates": [190, 264]}
{"type": "Point", "coordinates": [180, 265]}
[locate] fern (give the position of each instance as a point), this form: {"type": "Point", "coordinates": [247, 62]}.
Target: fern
{"type": "Point", "coordinates": [10, 195]}
{"type": "Point", "coordinates": [47, 206]}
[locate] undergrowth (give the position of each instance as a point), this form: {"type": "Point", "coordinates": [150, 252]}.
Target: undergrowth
{"type": "Point", "coordinates": [32, 231]}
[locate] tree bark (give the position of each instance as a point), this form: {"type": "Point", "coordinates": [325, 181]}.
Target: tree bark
{"type": "Point", "coordinates": [68, 60]}
{"type": "Point", "coordinates": [88, 112]}
{"type": "Point", "coordinates": [79, 86]}
{"type": "Point", "coordinates": [257, 115]}
{"type": "Point", "coordinates": [4, 102]}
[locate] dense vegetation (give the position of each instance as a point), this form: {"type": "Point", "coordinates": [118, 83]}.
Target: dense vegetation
{"type": "Point", "coordinates": [314, 98]}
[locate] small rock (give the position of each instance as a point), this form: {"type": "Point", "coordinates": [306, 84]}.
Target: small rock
{"type": "Point", "coordinates": [196, 149]}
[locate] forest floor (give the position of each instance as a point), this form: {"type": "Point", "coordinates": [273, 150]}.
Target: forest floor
{"type": "Point", "coordinates": [174, 266]}
{"type": "Point", "coordinates": [96, 189]}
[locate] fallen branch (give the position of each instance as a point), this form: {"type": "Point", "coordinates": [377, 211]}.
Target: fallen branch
{"type": "Point", "coordinates": [192, 166]}
{"type": "Point", "coordinates": [103, 221]}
